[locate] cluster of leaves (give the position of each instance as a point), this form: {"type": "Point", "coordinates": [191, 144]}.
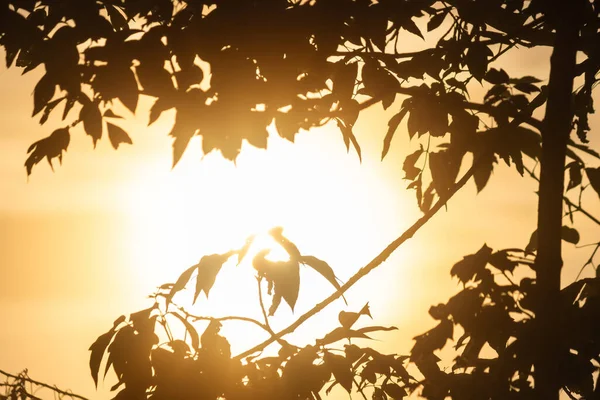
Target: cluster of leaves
{"type": "Point", "coordinates": [202, 366]}
{"type": "Point", "coordinates": [494, 316]}
{"type": "Point", "coordinates": [295, 63]}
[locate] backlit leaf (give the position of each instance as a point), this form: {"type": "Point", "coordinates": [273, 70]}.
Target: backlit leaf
{"type": "Point", "coordinates": [92, 120]}
{"type": "Point", "coordinates": [190, 329]}
{"type": "Point", "coordinates": [470, 265]}
{"type": "Point", "coordinates": [98, 348]}
{"type": "Point", "coordinates": [593, 175]}
{"type": "Point", "coordinates": [208, 268]}
{"type": "Point", "coordinates": [322, 268]}
{"type": "Point", "coordinates": [392, 127]}
{"type": "Point", "coordinates": [181, 282]}
{"type": "Point", "coordinates": [117, 135]}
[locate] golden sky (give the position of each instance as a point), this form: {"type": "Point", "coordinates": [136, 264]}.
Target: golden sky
{"type": "Point", "coordinates": [87, 243]}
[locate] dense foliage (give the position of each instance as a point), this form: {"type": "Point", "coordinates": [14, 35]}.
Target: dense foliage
{"type": "Point", "coordinates": [231, 69]}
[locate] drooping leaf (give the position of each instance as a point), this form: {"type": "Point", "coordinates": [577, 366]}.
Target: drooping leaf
{"type": "Point", "coordinates": [183, 279]}
{"type": "Point", "coordinates": [575, 175]}
{"type": "Point", "coordinates": [593, 175]}
{"type": "Point", "coordinates": [410, 171]}
{"type": "Point", "coordinates": [392, 127]}
{"type": "Point", "coordinates": [110, 114]}
{"type": "Point", "coordinates": [277, 234]}
{"type": "Point", "coordinates": [98, 348]}
{"type": "Point", "coordinates": [244, 250]}
{"type": "Point", "coordinates": [117, 19]}
{"type": "Point", "coordinates": [92, 120]}
{"type": "Point", "coordinates": [322, 268]}
{"type": "Point", "coordinates": [208, 268]}
{"type": "Point", "coordinates": [43, 93]}
{"type": "Point", "coordinates": [501, 261]}
{"type": "Point", "coordinates": [376, 328]}
{"type": "Point", "coordinates": [435, 21]}
{"type": "Point", "coordinates": [117, 135]}
{"type": "Point", "coordinates": [49, 148]}
{"type": "Point", "coordinates": [349, 137]}
{"type": "Point", "coordinates": [160, 105]}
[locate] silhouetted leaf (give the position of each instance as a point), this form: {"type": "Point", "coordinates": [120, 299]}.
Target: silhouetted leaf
{"type": "Point", "coordinates": [376, 328]}
{"type": "Point", "coordinates": [208, 268]}
{"type": "Point", "coordinates": [501, 261]}
{"type": "Point", "coordinates": [341, 369]}
{"type": "Point", "coordinates": [349, 137]}
{"type": "Point", "coordinates": [98, 348]}
{"type": "Point", "coordinates": [347, 319]}
{"type": "Point", "coordinates": [92, 120]}
{"type": "Point", "coordinates": [593, 175]}
{"type": "Point", "coordinates": [435, 21]}
{"type": "Point", "coordinates": [160, 105]}
{"type": "Point", "coordinates": [569, 234]}
{"type": "Point", "coordinates": [392, 127]}
{"type": "Point", "coordinates": [277, 234]}
{"type": "Point", "coordinates": [110, 114]}
{"type": "Point", "coordinates": [50, 147]}
{"type": "Point", "coordinates": [496, 76]}
{"type": "Point", "coordinates": [575, 176]}
{"type": "Point", "coordinates": [477, 59]}
{"type": "Point", "coordinates": [244, 250]}
{"type": "Point", "coordinates": [322, 268]}
{"type": "Point", "coordinates": [410, 171]}
{"type": "Point", "coordinates": [470, 265]}
{"type": "Point", "coordinates": [183, 279]}
{"type": "Point", "coordinates": [117, 135]}
{"type": "Point", "coordinates": [43, 93]}
{"type": "Point", "coordinates": [484, 170]}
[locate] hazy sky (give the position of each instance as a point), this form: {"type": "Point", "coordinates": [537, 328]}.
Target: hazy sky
{"type": "Point", "coordinates": [87, 243]}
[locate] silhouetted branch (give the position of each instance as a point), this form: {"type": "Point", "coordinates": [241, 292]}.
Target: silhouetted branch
{"type": "Point", "coordinates": [53, 388]}
{"type": "Point", "coordinates": [378, 260]}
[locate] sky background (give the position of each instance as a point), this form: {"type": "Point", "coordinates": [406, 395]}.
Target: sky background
{"type": "Point", "coordinates": [88, 242]}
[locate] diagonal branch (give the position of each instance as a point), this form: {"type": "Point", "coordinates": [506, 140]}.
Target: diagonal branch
{"type": "Point", "coordinates": [377, 261]}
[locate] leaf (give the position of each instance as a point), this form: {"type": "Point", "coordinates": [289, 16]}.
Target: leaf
{"type": "Point", "coordinates": [341, 369]}
{"type": "Point", "coordinates": [394, 391]}
{"type": "Point", "coordinates": [322, 268]}
{"type": "Point", "coordinates": [411, 172]}
{"type": "Point", "coordinates": [410, 26]}
{"type": "Point", "coordinates": [501, 261]}
{"type": "Point", "coordinates": [277, 234]}
{"type": "Point", "coordinates": [208, 268]}
{"type": "Point", "coordinates": [98, 348]}
{"type": "Point", "coordinates": [244, 250]}
{"type": "Point", "coordinates": [43, 93]}
{"type": "Point", "coordinates": [593, 175]}
{"type": "Point", "coordinates": [49, 148]}
{"type": "Point", "coordinates": [569, 234]}
{"type": "Point", "coordinates": [117, 135]}
{"type": "Point", "coordinates": [435, 21]}
{"type": "Point", "coordinates": [392, 127]}
{"type": "Point", "coordinates": [349, 135]}
{"type": "Point", "coordinates": [287, 281]}
{"type": "Point", "coordinates": [190, 328]}
{"type": "Point", "coordinates": [477, 59]}
{"type": "Point", "coordinates": [340, 333]}
{"type": "Point", "coordinates": [142, 320]}
{"type": "Point", "coordinates": [347, 319]}
{"type": "Point", "coordinates": [92, 120]}
{"type": "Point", "coordinates": [496, 76]}
{"type": "Point", "coordinates": [484, 170]}
{"type": "Point", "coordinates": [470, 265]}
{"type": "Point", "coordinates": [181, 282]}
{"type": "Point", "coordinates": [575, 175]}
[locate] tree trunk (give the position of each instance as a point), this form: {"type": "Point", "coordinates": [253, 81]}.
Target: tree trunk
{"type": "Point", "coordinates": [548, 263]}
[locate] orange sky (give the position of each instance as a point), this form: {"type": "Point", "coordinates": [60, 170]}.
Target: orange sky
{"type": "Point", "coordinates": [82, 245]}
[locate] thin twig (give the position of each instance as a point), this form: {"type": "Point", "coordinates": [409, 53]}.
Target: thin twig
{"type": "Point", "coordinates": [53, 388]}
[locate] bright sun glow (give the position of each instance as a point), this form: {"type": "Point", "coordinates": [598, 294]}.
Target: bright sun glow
{"type": "Point", "coordinates": [322, 198]}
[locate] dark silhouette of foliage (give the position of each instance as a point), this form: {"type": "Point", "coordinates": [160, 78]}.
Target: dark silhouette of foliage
{"type": "Point", "coordinates": [22, 387]}
{"type": "Point", "coordinates": [231, 69]}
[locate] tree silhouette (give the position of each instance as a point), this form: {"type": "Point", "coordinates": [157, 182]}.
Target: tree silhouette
{"type": "Point", "coordinates": [230, 69]}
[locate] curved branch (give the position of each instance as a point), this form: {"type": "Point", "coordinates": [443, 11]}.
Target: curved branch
{"type": "Point", "coordinates": [377, 261]}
